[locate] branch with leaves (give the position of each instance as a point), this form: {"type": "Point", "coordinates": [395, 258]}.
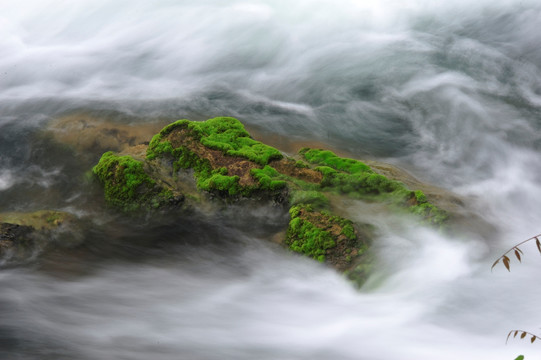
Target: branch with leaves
{"type": "Point", "coordinates": [506, 260]}
{"type": "Point", "coordinates": [516, 250]}
{"type": "Point", "coordinates": [523, 334]}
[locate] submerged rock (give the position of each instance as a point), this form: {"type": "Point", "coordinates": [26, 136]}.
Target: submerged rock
{"type": "Point", "coordinates": [24, 235]}
{"type": "Point", "coordinates": [39, 220]}
{"type": "Point", "coordinates": [16, 242]}
{"type": "Point", "coordinates": [88, 133]}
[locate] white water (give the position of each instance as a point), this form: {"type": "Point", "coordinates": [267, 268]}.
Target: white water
{"type": "Point", "coordinates": [449, 89]}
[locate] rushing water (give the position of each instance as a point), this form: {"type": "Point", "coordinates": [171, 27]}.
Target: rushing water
{"type": "Point", "coordinates": [450, 90]}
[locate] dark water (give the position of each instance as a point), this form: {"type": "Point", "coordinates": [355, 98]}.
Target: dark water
{"type": "Point", "coordinates": [449, 90]}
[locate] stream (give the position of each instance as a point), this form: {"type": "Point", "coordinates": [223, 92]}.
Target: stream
{"type": "Point", "coordinates": [449, 91]}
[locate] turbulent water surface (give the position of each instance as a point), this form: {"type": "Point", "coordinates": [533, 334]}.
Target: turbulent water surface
{"type": "Point", "coordinates": [450, 90]}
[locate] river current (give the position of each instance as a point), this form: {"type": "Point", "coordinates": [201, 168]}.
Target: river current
{"type": "Point", "coordinates": [448, 90]}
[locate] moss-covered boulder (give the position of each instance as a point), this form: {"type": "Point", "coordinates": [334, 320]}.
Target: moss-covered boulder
{"type": "Point", "coordinates": [217, 159]}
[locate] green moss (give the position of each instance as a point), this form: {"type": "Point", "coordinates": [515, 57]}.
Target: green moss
{"type": "Point", "coordinates": [295, 184]}
{"type": "Point", "coordinates": [226, 134]}
{"type": "Point", "coordinates": [207, 179]}
{"type": "Point", "coordinates": [356, 179]}
{"type": "Point", "coordinates": [229, 136]}
{"type": "Point", "coordinates": [266, 171]}
{"type": "Point", "coordinates": [217, 182]}
{"type": "Point", "coordinates": [301, 165]}
{"type": "Point", "coordinates": [301, 191]}
{"type": "Point", "coordinates": [324, 236]}
{"type": "Point", "coordinates": [187, 159]}
{"type": "Point", "coordinates": [420, 197]}
{"type": "Point", "coordinates": [306, 238]}
{"type": "Point", "coordinates": [179, 124]}
{"type": "Point", "coordinates": [430, 213]}
{"type": "Point", "coordinates": [364, 183]}
{"type": "Point", "coordinates": [348, 231]}
{"type": "Point", "coordinates": [158, 146]}
{"type": "Point", "coordinates": [268, 178]}
{"type": "Point", "coordinates": [328, 158]}
{"type": "Point", "coordinates": [126, 184]}
{"type": "Point", "coordinates": [348, 175]}
{"type": "Point", "coordinates": [315, 198]}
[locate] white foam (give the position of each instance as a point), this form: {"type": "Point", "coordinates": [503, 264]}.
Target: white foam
{"type": "Point", "coordinates": [437, 303]}
{"type": "Point", "coordinates": [135, 50]}
{"type": "Point", "coordinates": [6, 180]}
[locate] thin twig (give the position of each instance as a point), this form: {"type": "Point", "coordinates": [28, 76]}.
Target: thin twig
{"type": "Point", "coordinates": [523, 334]}
{"type": "Point", "coordinates": [517, 251]}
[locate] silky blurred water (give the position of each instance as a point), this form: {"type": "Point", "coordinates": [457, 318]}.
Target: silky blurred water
{"type": "Point", "coordinates": [449, 90]}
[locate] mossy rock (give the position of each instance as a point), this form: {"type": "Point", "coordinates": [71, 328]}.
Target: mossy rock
{"type": "Point", "coordinates": [226, 161]}
{"type": "Point", "coordinates": [356, 179]}
{"type": "Point", "coordinates": [225, 134]}
{"type": "Point", "coordinates": [127, 185]}
{"type": "Point", "coordinates": [223, 161]}
{"type": "Point", "coordinates": [315, 198]}
{"type": "Point", "coordinates": [325, 237]}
